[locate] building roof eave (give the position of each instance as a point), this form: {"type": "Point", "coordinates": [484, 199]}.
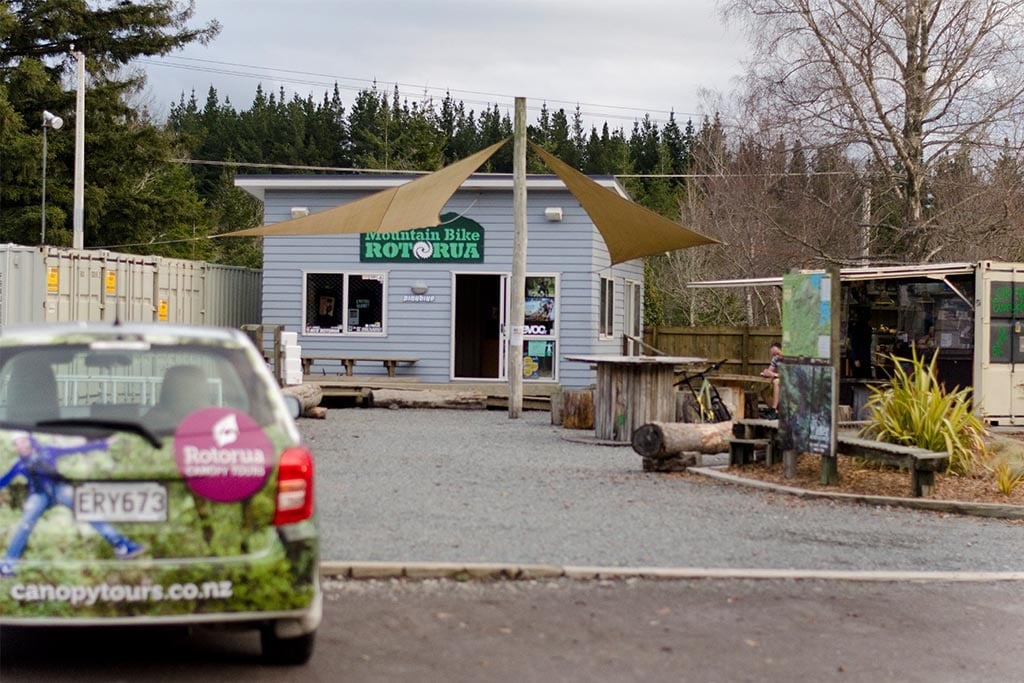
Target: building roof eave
{"type": "Point", "coordinates": [257, 185]}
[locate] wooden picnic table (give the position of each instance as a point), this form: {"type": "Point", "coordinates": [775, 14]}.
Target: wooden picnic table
{"type": "Point", "coordinates": [632, 391]}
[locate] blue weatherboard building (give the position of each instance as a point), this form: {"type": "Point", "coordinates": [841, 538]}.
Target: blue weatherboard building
{"type": "Point", "coordinates": [440, 294]}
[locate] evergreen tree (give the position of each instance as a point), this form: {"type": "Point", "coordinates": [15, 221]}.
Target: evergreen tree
{"type": "Point", "coordinates": [368, 121]}
{"type": "Point", "coordinates": [493, 128]}
{"type": "Point", "coordinates": [645, 150]}
{"type": "Point", "coordinates": [418, 144]}
{"type": "Point", "coordinates": [560, 142]}
{"type": "Point", "coordinates": [579, 137]}
{"type": "Point", "coordinates": [675, 152]}
{"type": "Point", "coordinates": [129, 185]}
{"type": "Point", "coordinates": [109, 34]}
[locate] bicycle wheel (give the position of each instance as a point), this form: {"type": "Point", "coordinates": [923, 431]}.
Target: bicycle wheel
{"type": "Point", "coordinates": [720, 410]}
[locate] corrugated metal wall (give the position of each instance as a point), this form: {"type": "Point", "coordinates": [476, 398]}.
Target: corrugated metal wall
{"type": "Point", "coordinates": [50, 284]}
{"type": "Point", "coordinates": [22, 283]}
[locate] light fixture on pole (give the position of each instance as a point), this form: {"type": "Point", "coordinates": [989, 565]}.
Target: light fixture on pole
{"type": "Point", "coordinates": [55, 122]}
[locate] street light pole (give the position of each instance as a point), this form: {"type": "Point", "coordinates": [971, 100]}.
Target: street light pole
{"type": "Point", "coordinates": [55, 122]}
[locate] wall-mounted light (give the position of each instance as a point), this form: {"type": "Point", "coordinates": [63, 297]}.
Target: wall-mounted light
{"type": "Point", "coordinates": [553, 213]}
{"type": "Point", "coordinates": [419, 287]}
{"type": "Point", "coordinates": [299, 211]}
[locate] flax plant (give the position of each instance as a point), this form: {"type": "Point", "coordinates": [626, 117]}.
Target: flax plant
{"type": "Point", "coordinates": [1007, 463]}
{"type": "Point", "coordinates": [1007, 479]}
{"type": "Point", "coordinates": [916, 410]}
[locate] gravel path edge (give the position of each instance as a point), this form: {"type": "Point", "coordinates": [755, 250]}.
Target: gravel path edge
{"type": "Point", "coordinates": [993, 510]}
{"type": "Point", "coordinates": [462, 571]}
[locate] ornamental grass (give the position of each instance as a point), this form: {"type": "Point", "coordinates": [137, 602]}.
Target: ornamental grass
{"type": "Point", "coordinates": [915, 409]}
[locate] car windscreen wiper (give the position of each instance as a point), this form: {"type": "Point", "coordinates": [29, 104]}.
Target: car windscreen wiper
{"type": "Point", "coordinates": [106, 425]}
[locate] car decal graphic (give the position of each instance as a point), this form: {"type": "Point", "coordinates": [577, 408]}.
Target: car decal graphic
{"type": "Point", "coordinates": [47, 488]}
{"type": "Point", "coordinates": [223, 454]}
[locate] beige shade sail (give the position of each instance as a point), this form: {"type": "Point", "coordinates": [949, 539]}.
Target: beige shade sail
{"type": "Point", "coordinates": [416, 204]}
{"type": "Point", "coordinates": [629, 230]}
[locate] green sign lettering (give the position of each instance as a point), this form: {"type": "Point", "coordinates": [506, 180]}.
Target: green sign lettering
{"type": "Point", "coordinates": [1001, 350]}
{"type": "Point", "coordinates": [456, 240]}
{"type": "Point", "coordinates": [1001, 299]}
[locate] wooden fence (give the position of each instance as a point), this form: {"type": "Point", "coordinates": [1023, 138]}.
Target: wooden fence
{"type": "Point", "coordinates": [746, 348]}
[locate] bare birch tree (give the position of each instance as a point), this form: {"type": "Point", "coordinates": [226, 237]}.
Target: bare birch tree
{"type": "Point", "coordinates": [909, 82]}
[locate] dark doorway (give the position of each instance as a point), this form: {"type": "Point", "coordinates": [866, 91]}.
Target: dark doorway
{"type": "Point", "coordinates": [477, 326]}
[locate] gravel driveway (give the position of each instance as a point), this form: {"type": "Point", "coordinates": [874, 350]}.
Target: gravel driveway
{"type": "Point", "coordinates": [475, 486]}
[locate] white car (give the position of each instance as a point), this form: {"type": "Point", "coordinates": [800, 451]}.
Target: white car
{"type": "Point", "coordinates": [153, 474]}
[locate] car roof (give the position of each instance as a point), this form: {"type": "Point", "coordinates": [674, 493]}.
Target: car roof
{"type": "Point", "coordinates": [149, 331]}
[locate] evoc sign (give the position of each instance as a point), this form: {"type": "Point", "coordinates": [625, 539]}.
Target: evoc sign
{"type": "Point", "coordinates": [456, 240]}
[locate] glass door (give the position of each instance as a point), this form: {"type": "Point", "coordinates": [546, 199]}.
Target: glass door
{"type": "Point", "coordinates": [504, 332]}
{"type": "Point", "coordinates": [632, 324]}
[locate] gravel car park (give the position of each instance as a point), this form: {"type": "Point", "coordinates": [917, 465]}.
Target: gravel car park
{"type": "Point", "coordinates": [153, 475]}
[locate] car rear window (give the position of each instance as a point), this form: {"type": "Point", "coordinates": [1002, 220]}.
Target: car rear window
{"type": "Point", "coordinates": [148, 383]}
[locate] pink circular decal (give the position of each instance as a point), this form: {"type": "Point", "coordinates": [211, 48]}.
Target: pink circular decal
{"type": "Point", "coordinates": [222, 454]}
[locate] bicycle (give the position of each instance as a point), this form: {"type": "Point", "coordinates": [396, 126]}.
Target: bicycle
{"type": "Point", "coordinates": [710, 407]}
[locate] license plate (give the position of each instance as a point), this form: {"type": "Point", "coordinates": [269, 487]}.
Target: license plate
{"type": "Point", "coordinates": [121, 502]}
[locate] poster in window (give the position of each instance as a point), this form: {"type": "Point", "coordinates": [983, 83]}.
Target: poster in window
{"type": "Point", "coordinates": [327, 306]}
{"type": "Point", "coordinates": [540, 286]}
{"type": "Point", "coordinates": [539, 309]}
{"type": "Point", "coordinates": [539, 318]}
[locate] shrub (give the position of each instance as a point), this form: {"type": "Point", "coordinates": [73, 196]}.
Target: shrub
{"type": "Point", "coordinates": [916, 410]}
{"type": "Point", "coordinates": [1007, 463]}
{"type": "Point", "coordinates": [1007, 479]}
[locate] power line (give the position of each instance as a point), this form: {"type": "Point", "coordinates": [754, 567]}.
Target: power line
{"type": "Point", "coordinates": [296, 167]}
{"type": "Point", "coordinates": [359, 84]}
{"type": "Point", "coordinates": [349, 169]}
{"type": "Point", "coordinates": [146, 244]}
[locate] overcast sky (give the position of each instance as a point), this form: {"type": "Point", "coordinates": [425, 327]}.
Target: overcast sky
{"type": "Point", "coordinates": [617, 59]}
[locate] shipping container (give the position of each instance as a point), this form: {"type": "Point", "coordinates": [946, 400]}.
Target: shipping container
{"type": "Point", "coordinates": [52, 284]}
{"type": "Point", "coordinates": [970, 314]}
{"type": "Point", "coordinates": [22, 284]}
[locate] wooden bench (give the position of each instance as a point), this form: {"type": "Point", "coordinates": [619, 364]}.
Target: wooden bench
{"type": "Point", "coordinates": [921, 462]}
{"type": "Point", "coordinates": [751, 435]}
{"type": "Point", "coordinates": [349, 362]}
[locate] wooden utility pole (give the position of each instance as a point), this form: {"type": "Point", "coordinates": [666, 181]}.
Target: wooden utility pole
{"type": "Point", "coordinates": [78, 207]}
{"type": "Point", "coordinates": [517, 304]}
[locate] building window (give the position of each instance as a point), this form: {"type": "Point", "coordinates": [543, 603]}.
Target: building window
{"type": "Point", "coordinates": [607, 328]}
{"type": "Point", "coordinates": [539, 325]}
{"type": "Point", "coordinates": [344, 303]}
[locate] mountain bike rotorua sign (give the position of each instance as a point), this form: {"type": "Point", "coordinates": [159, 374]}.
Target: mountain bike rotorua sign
{"type": "Point", "coordinates": [456, 239]}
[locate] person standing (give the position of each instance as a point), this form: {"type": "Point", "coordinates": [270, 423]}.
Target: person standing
{"type": "Point", "coordinates": [772, 372]}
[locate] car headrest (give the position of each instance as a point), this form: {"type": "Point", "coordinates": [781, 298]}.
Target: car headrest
{"type": "Point", "coordinates": [185, 389]}
{"type": "Point", "coordinates": [32, 391]}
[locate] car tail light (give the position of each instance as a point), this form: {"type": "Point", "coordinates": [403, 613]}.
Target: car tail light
{"type": "Point", "coordinates": [294, 486]}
